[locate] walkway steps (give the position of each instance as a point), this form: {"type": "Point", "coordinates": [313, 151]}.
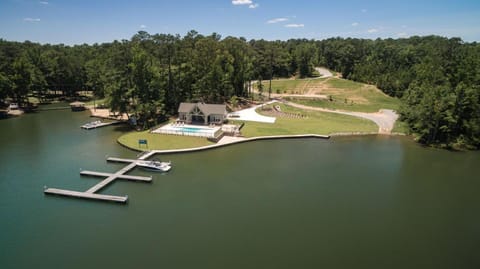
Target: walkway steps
{"type": "Point", "coordinates": [85, 195]}
{"type": "Point", "coordinates": [128, 177]}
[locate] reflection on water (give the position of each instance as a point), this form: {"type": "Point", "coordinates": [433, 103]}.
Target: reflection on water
{"type": "Point", "coordinates": [346, 202]}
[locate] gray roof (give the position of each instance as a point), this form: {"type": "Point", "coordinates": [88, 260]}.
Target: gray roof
{"type": "Point", "coordinates": [207, 109]}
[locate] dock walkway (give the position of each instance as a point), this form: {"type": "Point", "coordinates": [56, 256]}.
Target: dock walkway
{"type": "Point", "coordinates": [98, 124]}
{"type": "Point", "coordinates": [109, 178]}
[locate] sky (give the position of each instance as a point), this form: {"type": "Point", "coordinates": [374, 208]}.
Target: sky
{"type": "Point", "coordinates": [96, 21]}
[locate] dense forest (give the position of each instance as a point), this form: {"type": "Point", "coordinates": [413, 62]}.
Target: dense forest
{"type": "Point", "coordinates": [437, 79]}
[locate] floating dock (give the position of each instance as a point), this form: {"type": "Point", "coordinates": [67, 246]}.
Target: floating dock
{"type": "Point", "coordinates": [78, 194]}
{"type": "Point", "coordinates": [97, 124]}
{"type": "Point", "coordinates": [109, 178]}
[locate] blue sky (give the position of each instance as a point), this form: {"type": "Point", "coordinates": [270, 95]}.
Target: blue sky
{"type": "Point", "coordinates": [87, 21]}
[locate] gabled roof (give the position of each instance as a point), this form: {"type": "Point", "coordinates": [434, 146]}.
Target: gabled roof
{"type": "Point", "coordinates": [207, 109]}
{"type": "Point", "coordinates": [186, 107]}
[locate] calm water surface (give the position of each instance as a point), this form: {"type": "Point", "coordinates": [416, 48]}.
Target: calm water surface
{"type": "Point", "coordinates": [370, 202]}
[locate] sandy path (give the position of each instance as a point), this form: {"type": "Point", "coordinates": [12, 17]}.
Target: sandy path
{"type": "Point", "coordinates": [324, 73]}
{"type": "Point", "coordinates": [384, 118]}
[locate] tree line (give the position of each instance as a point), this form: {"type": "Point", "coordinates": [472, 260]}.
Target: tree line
{"type": "Point", "coordinates": [436, 78]}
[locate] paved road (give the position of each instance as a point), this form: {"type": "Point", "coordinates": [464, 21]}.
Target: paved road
{"type": "Point", "coordinates": [250, 114]}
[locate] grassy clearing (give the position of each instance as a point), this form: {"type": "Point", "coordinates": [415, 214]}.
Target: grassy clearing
{"type": "Point", "coordinates": [349, 105]}
{"type": "Point", "coordinates": [343, 94]}
{"type": "Point", "coordinates": [344, 84]}
{"type": "Point", "coordinates": [160, 141]}
{"type": "Point", "coordinates": [290, 86]}
{"type": "Point", "coordinates": [352, 96]}
{"type": "Point", "coordinates": [315, 123]}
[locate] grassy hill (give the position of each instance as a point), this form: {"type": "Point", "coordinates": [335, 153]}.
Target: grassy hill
{"type": "Point", "coordinates": [334, 93]}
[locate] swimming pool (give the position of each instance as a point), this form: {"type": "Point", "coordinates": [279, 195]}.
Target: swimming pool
{"type": "Point", "coordinates": [188, 130]}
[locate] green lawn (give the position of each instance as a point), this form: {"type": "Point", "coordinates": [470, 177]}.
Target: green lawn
{"type": "Point", "coordinates": [376, 103]}
{"type": "Point", "coordinates": [290, 86]}
{"type": "Point", "coordinates": [161, 141]}
{"type": "Point", "coordinates": [344, 84]}
{"type": "Point", "coordinates": [315, 123]}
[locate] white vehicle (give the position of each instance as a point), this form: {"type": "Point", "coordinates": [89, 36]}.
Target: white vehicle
{"type": "Point", "coordinates": [155, 165]}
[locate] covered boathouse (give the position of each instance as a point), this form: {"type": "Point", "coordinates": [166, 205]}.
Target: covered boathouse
{"type": "Point", "coordinates": [201, 113]}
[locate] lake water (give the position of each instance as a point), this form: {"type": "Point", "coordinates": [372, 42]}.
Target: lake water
{"type": "Point", "coordinates": [352, 202]}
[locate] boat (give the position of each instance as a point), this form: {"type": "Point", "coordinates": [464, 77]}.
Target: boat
{"type": "Point", "coordinates": [155, 165]}
{"type": "Point", "coordinates": [92, 125]}
{"type": "Point", "coordinates": [77, 106]}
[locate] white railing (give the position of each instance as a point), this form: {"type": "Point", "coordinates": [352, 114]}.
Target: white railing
{"type": "Point", "coordinates": [185, 133]}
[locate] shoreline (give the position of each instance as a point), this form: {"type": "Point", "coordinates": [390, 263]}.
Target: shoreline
{"type": "Point", "coordinates": [220, 144]}
{"type": "Point", "coordinates": [239, 140]}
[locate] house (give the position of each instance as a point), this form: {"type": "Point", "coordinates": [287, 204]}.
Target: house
{"type": "Point", "coordinates": [202, 113]}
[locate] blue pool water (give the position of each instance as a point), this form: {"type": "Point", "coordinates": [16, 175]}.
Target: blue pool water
{"type": "Point", "coordinates": [192, 129]}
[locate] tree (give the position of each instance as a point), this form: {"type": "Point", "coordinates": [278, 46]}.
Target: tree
{"type": "Point", "coordinates": [21, 79]}
{"type": "Point", "coordinates": [305, 53]}
{"type": "Point", "coordinates": [147, 94]}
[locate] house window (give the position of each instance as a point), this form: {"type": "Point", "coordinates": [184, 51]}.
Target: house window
{"type": "Point", "coordinates": [197, 112]}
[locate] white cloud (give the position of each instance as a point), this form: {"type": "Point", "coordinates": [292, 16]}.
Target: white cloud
{"type": "Point", "coordinates": [43, 2]}
{"type": "Point", "coordinates": [373, 30]}
{"type": "Point", "coordinates": [242, 2]}
{"type": "Point", "coordinates": [277, 20]}
{"type": "Point", "coordinates": [253, 6]}
{"type": "Point", "coordinates": [403, 34]}
{"type": "Point", "coordinates": [31, 19]}
{"type": "Point", "coordinates": [355, 24]}
{"type": "Point", "coordinates": [295, 25]}
{"type": "Point", "coordinates": [143, 26]}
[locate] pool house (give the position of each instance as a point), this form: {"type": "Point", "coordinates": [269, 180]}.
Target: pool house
{"type": "Point", "coordinates": [201, 113]}
{"type": "Point", "coordinates": [197, 119]}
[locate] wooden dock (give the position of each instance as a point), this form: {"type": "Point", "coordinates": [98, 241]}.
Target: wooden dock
{"type": "Point", "coordinates": [85, 195]}
{"type": "Point", "coordinates": [128, 177]}
{"type": "Point", "coordinates": [109, 178]}
{"type": "Point", "coordinates": [120, 160]}
{"type": "Point", "coordinates": [90, 126]}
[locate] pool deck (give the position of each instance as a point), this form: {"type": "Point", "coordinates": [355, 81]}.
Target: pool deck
{"type": "Point", "coordinates": [188, 130]}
